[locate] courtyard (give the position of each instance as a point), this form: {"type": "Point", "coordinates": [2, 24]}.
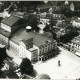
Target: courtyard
{"type": "Point", "coordinates": [69, 69]}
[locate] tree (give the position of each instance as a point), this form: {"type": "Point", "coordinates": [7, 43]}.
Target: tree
{"type": "Point", "coordinates": [47, 28]}
{"type": "Point", "coordinates": [26, 67]}
{"type": "Point", "coordinates": [3, 55]}
{"type": "Point", "coordinates": [33, 22]}
{"type": "Point", "coordinates": [70, 33]}
{"type": "Point", "coordinates": [43, 76]}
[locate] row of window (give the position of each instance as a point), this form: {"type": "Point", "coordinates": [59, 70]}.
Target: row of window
{"type": "Point", "coordinates": [47, 48]}
{"type": "Point", "coordinates": [76, 45]}
{"type": "Point", "coordinates": [14, 48]}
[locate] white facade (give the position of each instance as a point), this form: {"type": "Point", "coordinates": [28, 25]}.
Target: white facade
{"type": "Point", "coordinates": [30, 53]}
{"type": "Point", "coordinates": [5, 27]}
{"type": "Point", "coordinates": [22, 50]}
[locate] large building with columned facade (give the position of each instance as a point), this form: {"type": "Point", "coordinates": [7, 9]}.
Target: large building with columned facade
{"type": "Point", "coordinates": [24, 44]}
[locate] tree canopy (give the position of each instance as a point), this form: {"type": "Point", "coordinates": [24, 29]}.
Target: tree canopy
{"type": "Point", "coordinates": [26, 66]}
{"type": "Point", "coordinates": [3, 55]}
{"type": "Point", "coordinates": [43, 76]}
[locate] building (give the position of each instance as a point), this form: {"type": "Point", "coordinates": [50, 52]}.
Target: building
{"type": "Point", "coordinates": [8, 27]}
{"type": "Point", "coordinates": [32, 45]}
{"type": "Point", "coordinates": [74, 45]}
{"type": "Point", "coordinates": [11, 24]}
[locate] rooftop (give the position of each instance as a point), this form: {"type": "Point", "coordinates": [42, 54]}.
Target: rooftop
{"type": "Point", "coordinates": [32, 49]}
{"type": "Point", "coordinates": [10, 21]}
{"type": "Point", "coordinates": [21, 34]}
{"type": "Point", "coordinates": [29, 41]}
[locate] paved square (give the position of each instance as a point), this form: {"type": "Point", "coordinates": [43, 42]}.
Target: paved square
{"type": "Point", "coordinates": [69, 69]}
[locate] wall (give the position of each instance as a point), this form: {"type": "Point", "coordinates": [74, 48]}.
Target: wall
{"type": "Point", "coordinates": [3, 39]}
{"type": "Point", "coordinates": [22, 50]}
{"type": "Point", "coordinates": [13, 47]}
{"type": "Point", "coordinates": [14, 28]}
{"type": "Point", "coordinates": [34, 55]}
{"type": "Point", "coordinates": [6, 27]}
{"type": "Point", "coordinates": [45, 48]}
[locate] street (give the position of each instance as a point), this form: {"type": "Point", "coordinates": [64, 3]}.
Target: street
{"type": "Point", "coordinates": [69, 69]}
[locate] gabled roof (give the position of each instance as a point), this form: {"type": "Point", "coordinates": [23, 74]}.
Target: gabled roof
{"type": "Point", "coordinates": [10, 21]}
{"type": "Point", "coordinates": [40, 40]}
{"type": "Point", "coordinates": [27, 42]}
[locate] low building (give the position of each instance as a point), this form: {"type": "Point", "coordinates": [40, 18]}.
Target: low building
{"type": "Point", "coordinates": [11, 24]}
{"type": "Point", "coordinates": [74, 45]}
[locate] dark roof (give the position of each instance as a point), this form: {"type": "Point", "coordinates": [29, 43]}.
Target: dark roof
{"type": "Point", "coordinates": [4, 32]}
{"type": "Point", "coordinates": [10, 21]}
{"type": "Point", "coordinates": [21, 34]}
{"type": "Point", "coordinates": [29, 41]}
{"type": "Point", "coordinates": [40, 40]}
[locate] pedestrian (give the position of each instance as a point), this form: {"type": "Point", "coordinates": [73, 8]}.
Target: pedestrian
{"type": "Point", "coordinates": [59, 63]}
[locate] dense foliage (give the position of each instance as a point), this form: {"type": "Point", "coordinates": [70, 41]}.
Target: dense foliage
{"type": "Point", "coordinates": [3, 55]}
{"type": "Point", "coordinates": [26, 67]}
